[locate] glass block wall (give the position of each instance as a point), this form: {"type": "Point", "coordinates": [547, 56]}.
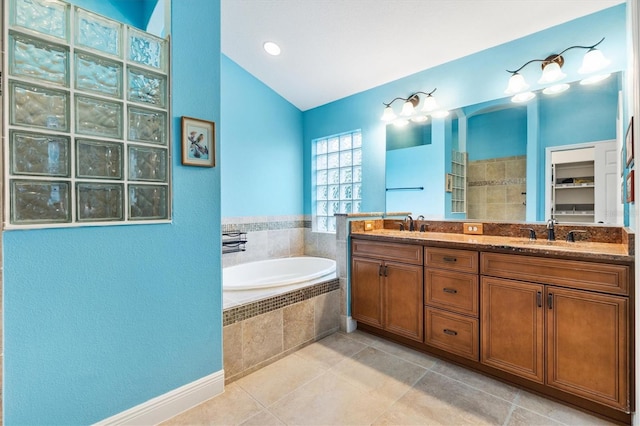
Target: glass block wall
{"type": "Point", "coordinates": [459, 190]}
{"type": "Point", "coordinates": [337, 178]}
{"type": "Point", "coordinates": [88, 124]}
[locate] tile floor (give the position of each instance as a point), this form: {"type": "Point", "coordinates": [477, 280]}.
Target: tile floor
{"type": "Point", "coordinates": [360, 379]}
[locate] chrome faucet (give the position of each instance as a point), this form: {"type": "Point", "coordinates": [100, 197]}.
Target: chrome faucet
{"type": "Point", "coordinates": [551, 229]}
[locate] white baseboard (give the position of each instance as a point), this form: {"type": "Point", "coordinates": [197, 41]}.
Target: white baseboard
{"type": "Point", "coordinates": [172, 403]}
{"type": "Point", "coordinates": [349, 324]}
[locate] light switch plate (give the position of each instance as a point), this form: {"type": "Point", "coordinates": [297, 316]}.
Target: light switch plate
{"type": "Point", "coordinates": [368, 225]}
{"type": "Point", "coordinates": [473, 228]}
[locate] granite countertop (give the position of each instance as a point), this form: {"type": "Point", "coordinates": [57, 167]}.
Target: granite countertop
{"type": "Point", "coordinates": [580, 250]}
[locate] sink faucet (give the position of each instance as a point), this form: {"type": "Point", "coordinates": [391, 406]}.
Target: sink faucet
{"type": "Point", "coordinates": [551, 229]}
{"type": "Point", "coordinates": [410, 219]}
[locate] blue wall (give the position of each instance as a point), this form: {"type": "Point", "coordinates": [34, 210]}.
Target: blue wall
{"type": "Point", "coordinates": [100, 319]}
{"type": "Point", "coordinates": [261, 146]}
{"type": "Point", "coordinates": [497, 134]}
{"type": "Point", "coordinates": [471, 80]}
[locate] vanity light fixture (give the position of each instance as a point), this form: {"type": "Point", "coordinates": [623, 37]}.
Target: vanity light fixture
{"type": "Point", "coordinates": [592, 61]}
{"type": "Point", "coordinates": [415, 108]}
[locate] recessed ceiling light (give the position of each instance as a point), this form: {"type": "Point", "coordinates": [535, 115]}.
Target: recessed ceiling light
{"type": "Point", "coordinates": [271, 48]}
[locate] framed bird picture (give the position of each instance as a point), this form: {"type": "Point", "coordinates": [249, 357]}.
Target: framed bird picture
{"type": "Point", "coordinates": [198, 142]}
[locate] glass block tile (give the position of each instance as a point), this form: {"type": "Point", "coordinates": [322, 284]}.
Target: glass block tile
{"type": "Point", "coordinates": [322, 193]}
{"type": "Point", "coordinates": [321, 146]}
{"type": "Point", "coordinates": [357, 206]}
{"type": "Point", "coordinates": [32, 58]}
{"type": "Point", "coordinates": [346, 159]}
{"type": "Point", "coordinates": [321, 162]}
{"type": "Point", "coordinates": [357, 140]}
{"type": "Point", "coordinates": [37, 154]}
{"type": "Point", "coordinates": [321, 177]}
{"type": "Point", "coordinates": [322, 224]}
{"type": "Point", "coordinates": [334, 160]}
{"type": "Point", "coordinates": [146, 49]}
{"type": "Point", "coordinates": [39, 202]}
{"type": "Point", "coordinates": [38, 107]}
{"type": "Point", "coordinates": [323, 208]}
{"type": "Point", "coordinates": [146, 87]}
{"type": "Point", "coordinates": [346, 192]}
{"type": "Point", "coordinates": [50, 17]}
{"type": "Point", "coordinates": [334, 176]}
{"type": "Point", "coordinates": [98, 117]}
{"type": "Point", "coordinates": [99, 202]}
{"type": "Point", "coordinates": [345, 142]}
{"type": "Point", "coordinates": [147, 202]}
{"type": "Point", "coordinates": [96, 159]}
{"type": "Point", "coordinates": [334, 192]}
{"type": "Point", "coordinates": [346, 175]}
{"type": "Point", "coordinates": [98, 75]}
{"type": "Point", "coordinates": [99, 33]}
{"type": "Point", "coordinates": [334, 145]}
{"type": "Point", "coordinates": [331, 224]}
{"type": "Point", "coordinates": [357, 191]}
{"type": "Point", "coordinates": [147, 126]}
{"type": "Point", "coordinates": [334, 207]}
{"type": "Point", "coordinates": [357, 157]}
{"type": "Point", "coordinates": [345, 207]}
{"type": "Point", "coordinates": [357, 174]}
{"type": "Point", "coordinates": [148, 164]}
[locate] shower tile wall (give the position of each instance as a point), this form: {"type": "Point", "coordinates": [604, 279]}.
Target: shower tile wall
{"type": "Point", "coordinates": [270, 237]}
{"type": "Point", "coordinates": [496, 187]}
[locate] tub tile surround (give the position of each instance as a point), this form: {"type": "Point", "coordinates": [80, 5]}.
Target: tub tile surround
{"type": "Point", "coordinates": [263, 338]}
{"type": "Point", "coordinates": [270, 237]}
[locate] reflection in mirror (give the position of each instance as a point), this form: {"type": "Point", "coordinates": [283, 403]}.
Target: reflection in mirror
{"type": "Point", "coordinates": [505, 144]}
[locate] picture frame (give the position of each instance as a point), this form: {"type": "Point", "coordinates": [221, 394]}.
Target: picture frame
{"type": "Point", "coordinates": [198, 139]}
{"type": "Point", "coordinates": [628, 143]}
{"type": "Point", "coordinates": [630, 187]}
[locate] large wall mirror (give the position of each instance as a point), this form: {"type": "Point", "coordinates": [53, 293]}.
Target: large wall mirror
{"type": "Point", "coordinates": [505, 144]}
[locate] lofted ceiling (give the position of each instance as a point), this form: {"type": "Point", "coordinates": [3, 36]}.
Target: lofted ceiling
{"type": "Point", "coordinates": [335, 48]}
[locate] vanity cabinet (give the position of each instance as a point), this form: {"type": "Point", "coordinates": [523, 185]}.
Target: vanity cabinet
{"type": "Point", "coordinates": [566, 326]}
{"type": "Point", "coordinates": [451, 300]}
{"type": "Point", "coordinates": [387, 286]}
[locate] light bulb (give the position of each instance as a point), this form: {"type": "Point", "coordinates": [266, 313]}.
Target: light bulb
{"type": "Point", "coordinates": [593, 61]}
{"type": "Point", "coordinates": [551, 73]}
{"type": "Point", "coordinates": [516, 84]}
{"type": "Point", "coordinates": [429, 104]}
{"type": "Point", "coordinates": [407, 109]}
{"type": "Point", "coordinates": [388, 114]}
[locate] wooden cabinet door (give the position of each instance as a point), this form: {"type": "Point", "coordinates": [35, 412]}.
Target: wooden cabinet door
{"type": "Point", "coordinates": [366, 291]}
{"type": "Point", "coordinates": [403, 295]}
{"type": "Point", "coordinates": [512, 337]}
{"type": "Point", "coordinates": [587, 346]}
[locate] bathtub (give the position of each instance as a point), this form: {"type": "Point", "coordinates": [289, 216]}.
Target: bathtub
{"type": "Point", "coordinates": [253, 281]}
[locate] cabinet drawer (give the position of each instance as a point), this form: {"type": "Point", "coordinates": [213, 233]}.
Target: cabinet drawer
{"type": "Point", "coordinates": [405, 253]}
{"type": "Point", "coordinates": [456, 260]}
{"type": "Point", "coordinates": [451, 332]}
{"type": "Point", "coordinates": [566, 273]}
{"type": "Point", "coordinates": [454, 291]}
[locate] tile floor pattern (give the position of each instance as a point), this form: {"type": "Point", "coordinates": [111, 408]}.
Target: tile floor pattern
{"type": "Point", "coordinates": [360, 379]}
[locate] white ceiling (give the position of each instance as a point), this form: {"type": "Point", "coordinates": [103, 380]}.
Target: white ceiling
{"type": "Point", "coordinates": [335, 48]}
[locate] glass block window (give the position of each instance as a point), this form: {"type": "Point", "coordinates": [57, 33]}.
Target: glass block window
{"type": "Point", "coordinates": [459, 189]}
{"type": "Point", "coordinates": [88, 120]}
{"type": "Point", "coordinates": [337, 178]}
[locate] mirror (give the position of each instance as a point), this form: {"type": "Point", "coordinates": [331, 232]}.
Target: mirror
{"type": "Point", "coordinates": [505, 145]}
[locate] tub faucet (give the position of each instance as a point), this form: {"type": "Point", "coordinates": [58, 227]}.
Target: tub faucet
{"type": "Point", "coordinates": [551, 229]}
{"type": "Point", "coordinates": [410, 219]}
